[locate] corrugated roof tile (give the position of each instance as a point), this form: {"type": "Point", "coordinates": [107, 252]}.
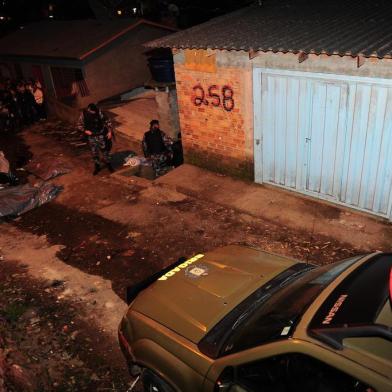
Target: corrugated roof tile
{"type": "Point", "coordinates": [357, 28]}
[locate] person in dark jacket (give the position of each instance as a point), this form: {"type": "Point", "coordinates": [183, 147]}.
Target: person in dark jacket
{"type": "Point", "coordinates": [157, 146]}
{"type": "Point", "coordinates": [98, 129]}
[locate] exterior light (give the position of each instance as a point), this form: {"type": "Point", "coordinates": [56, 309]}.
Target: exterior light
{"type": "Point", "coordinates": [2, 17]}
{"type": "Point", "coordinates": [134, 10]}
{"type": "Point", "coordinates": [51, 16]}
{"type": "Point", "coordinates": [119, 12]}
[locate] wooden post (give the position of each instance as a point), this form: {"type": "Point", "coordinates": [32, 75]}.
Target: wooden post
{"type": "Point", "coordinates": [302, 56]}
{"type": "Point", "coordinates": [253, 54]}
{"type": "Point", "coordinates": [360, 61]}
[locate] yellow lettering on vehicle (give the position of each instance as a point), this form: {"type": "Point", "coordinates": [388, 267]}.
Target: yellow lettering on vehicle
{"type": "Point", "coordinates": [180, 267]}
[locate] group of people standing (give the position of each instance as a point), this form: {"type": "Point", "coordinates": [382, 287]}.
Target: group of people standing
{"type": "Point", "coordinates": [159, 148]}
{"type": "Point", "coordinates": [22, 103]}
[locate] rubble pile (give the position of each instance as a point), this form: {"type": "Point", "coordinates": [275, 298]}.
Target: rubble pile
{"type": "Point", "coordinates": [65, 133]}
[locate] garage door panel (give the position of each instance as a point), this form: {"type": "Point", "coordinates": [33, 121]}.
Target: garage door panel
{"type": "Point", "coordinates": [315, 138]}
{"type": "Point", "coordinates": [373, 144]}
{"type": "Point", "coordinates": [383, 176]}
{"type": "Point", "coordinates": [325, 137]}
{"type": "Point", "coordinates": [280, 133]}
{"type": "Point", "coordinates": [280, 129]}
{"type": "Point", "coordinates": [358, 143]}
{"type": "Point", "coordinates": [292, 132]}
{"type": "Point", "coordinates": [330, 140]}
{"type": "Point", "coordinates": [341, 141]}
{"type": "Point", "coordinates": [304, 121]}
{"type": "Point", "coordinates": [268, 137]}
{"type": "Point", "coordinates": [328, 137]}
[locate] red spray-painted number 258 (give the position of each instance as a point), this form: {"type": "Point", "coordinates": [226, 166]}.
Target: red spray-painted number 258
{"type": "Point", "coordinates": [224, 99]}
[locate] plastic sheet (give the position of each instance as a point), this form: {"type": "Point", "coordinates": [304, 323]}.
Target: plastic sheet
{"type": "Point", "coordinates": [19, 199]}
{"type": "Point", "coordinates": [48, 168]}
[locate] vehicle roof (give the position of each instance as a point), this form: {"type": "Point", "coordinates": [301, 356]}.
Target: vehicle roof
{"type": "Point", "coordinates": [191, 305]}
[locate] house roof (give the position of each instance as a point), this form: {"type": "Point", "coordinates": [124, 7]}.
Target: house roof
{"type": "Point", "coordinates": [355, 28]}
{"type": "Point", "coordinates": [76, 39]}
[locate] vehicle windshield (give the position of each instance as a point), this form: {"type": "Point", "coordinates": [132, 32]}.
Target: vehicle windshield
{"type": "Point", "coordinates": [272, 311]}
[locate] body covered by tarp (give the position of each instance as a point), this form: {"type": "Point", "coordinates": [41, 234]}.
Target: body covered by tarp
{"type": "Point", "coordinates": [19, 199]}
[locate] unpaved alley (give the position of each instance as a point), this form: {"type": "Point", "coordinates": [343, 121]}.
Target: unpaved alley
{"type": "Point", "coordinates": [65, 265]}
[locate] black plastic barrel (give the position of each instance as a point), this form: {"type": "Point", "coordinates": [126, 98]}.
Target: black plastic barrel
{"type": "Point", "coordinates": [162, 69]}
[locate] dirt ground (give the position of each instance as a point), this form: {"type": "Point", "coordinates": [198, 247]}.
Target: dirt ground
{"type": "Point", "coordinates": [45, 345]}
{"type": "Point", "coordinates": [64, 266]}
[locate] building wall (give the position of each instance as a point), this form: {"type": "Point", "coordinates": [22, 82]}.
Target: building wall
{"type": "Point", "coordinates": [120, 67]}
{"type": "Point", "coordinates": [114, 69]}
{"type": "Point", "coordinates": [217, 130]}
{"type": "Point", "coordinates": [222, 140]}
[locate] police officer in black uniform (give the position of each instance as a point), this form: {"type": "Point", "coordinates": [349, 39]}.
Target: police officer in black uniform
{"type": "Point", "coordinates": [157, 146]}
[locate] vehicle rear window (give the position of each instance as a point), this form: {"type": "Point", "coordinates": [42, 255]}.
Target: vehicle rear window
{"type": "Point", "coordinates": [272, 311]}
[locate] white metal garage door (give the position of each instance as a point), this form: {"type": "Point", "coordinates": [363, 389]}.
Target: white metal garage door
{"type": "Point", "coordinates": [329, 136]}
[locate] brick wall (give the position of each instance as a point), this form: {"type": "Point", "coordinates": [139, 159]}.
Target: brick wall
{"type": "Point", "coordinates": [215, 115]}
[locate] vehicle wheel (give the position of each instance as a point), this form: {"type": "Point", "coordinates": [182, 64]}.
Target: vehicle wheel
{"type": "Point", "coordinates": [153, 383]}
